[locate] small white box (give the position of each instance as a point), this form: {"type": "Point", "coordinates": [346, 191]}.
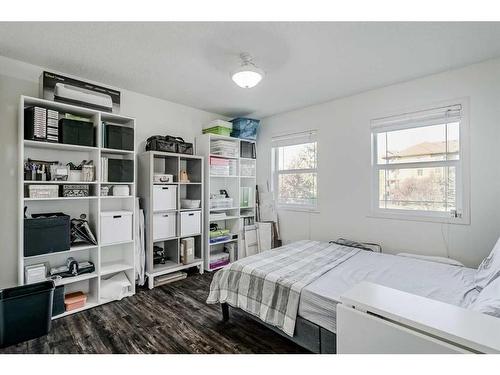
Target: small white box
{"type": "Point", "coordinates": [162, 178]}
{"type": "Point", "coordinates": [164, 197]}
{"type": "Point", "coordinates": [116, 226]}
{"type": "Point", "coordinates": [164, 225]}
{"type": "Point", "coordinates": [121, 190]}
{"type": "Point", "coordinates": [35, 273]}
{"type": "Point", "coordinates": [190, 223]}
{"type": "Point", "coordinates": [43, 191]}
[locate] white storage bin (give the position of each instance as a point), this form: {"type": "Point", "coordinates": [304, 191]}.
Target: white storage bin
{"type": "Point", "coordinates": [43, 191]}
{"type": "Point", "coordinates": [164, 197]}
{"type": "Point", "coordinates": [190, 223]}
{"type": "Point", "coordinates": [116, 226]}
{"type": "Point", "coordinates": [164, 225]}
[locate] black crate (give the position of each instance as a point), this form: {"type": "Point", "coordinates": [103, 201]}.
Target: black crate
{"type": "Point", "coordinates": [76, 132]}
{"type": "Point", "coordinates": [120, 170]}
{"type": "Point", "coordinates": [25, 312]}
{"type": "Point", "coordinates": [58, 301]}
{"type": "Point", "coordinates": [118, 137]}
{"type": "Point", "coordinates": [46, 233]}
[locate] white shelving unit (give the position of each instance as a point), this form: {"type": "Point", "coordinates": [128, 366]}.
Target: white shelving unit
{"type": "Point", "coordinates": [108, 259]}
{"type": "Point", "coordinates": [235, 215]}
{"type": "Point", "coordinates": [152, 162]}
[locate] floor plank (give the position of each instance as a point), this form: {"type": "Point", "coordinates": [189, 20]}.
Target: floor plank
{"type": "Point", "coordinates": [173, 318]}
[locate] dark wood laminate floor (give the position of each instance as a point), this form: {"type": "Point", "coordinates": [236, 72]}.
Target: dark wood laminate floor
{"type": "Point", "coordinates": [169, 319]}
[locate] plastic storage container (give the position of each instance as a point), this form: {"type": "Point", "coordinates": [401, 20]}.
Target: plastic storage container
{"type": "Point", "coordinates": [116, 226]}
{"type": "Point", "coordinates": [245, 128]}
{"type": "Point", "coordinates": [219, 130]}
{"type": "Point", "coordinates": [190, 223]}
{"type": "Point", "coordinates": [164, 225]}
{"type": "Point", "coordinates": [228, 148]}
{"type": "Point", "coordinates": [221, 202]}
{"type": "Point", "coordinates": [25, 312]}
{"type": "Point", "coordinates": [164, 198]}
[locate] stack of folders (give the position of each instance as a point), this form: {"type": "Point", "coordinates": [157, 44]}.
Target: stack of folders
{"type": "Point", "coordinates": [219, 259]}
{"type": "Point", "coordinates": [104, 169]}
{"type": "Point", "coordinates": [52, 126]}
{"type": "Point", "coordinates": [219, 235]}
{"type": "Point", "coordinates": [224, 148]}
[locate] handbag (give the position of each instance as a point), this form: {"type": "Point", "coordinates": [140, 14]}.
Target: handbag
{"type": "Point", "coordinates": [161, 143]}
{"type": "Point", "coordinates": [184, 147]}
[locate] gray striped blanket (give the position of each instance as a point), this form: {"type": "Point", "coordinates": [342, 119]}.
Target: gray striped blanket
{"type": "Point", "coordinates": [268, 285]}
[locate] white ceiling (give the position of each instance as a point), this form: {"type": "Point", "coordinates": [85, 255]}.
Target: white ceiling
{"type": "Point", "coordinates": [305, 63]}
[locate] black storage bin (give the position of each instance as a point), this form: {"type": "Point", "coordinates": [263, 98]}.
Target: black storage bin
{"type": "Point", "coordinates": [46, 233]}
{"type": "Point", "coordinates": [120, 170]}
{"type": "Point", "coordinates": [25, 312]}
{"type": "Point", "coordinates": [58, 301]}
{"type": "Point", "coordinates": [247, 150]}
{"type": "Point", "coordinates": [118, 137]}
{"type": "Point", "coordinates": [76, 132]}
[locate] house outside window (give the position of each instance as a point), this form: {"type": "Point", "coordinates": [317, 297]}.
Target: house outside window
{"type": "Point", "coordinates": [420, 165]}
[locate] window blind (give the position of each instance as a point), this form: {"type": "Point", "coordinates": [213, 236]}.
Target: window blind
{"type": "Point", "coordinates": [294, 139]}
{"type": "Point", "coordinates": [440, 115]}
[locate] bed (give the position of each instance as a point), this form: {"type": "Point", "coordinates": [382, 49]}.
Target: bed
{"type": "Point", "coordinates": [294, 289]}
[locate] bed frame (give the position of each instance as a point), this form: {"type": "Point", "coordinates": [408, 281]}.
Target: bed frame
{"type": "Point", "coordinates": [307, 334]}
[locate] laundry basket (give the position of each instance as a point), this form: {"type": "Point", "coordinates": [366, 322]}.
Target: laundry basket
{"type": "Point", "coordinates": [25, 312]}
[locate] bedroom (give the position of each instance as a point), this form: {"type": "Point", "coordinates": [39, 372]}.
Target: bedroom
{"type": "Point", "coordinates": [306, 211]}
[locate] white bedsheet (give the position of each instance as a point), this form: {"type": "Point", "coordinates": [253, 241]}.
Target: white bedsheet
{"type": "Point", "coordinates": [450, 284]}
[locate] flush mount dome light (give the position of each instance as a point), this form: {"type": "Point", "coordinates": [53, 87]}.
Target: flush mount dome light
{"type": "Point", "coordinates": [248, 75]}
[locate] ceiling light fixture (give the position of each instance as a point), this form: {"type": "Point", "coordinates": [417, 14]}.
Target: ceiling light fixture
{"type": "Point", "coordinates": [248, 75]}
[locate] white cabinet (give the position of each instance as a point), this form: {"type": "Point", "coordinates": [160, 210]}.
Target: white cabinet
{"type": "Point", "coordinates": [116, 226]}
{"type": "Point", "coordinates": [164, 197]}
{"type": "Point", "coordinates": [164, 225]}
{"type": "Point", "coordinates": [190, 223]}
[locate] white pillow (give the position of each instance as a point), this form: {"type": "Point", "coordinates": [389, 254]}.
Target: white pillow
{"type": "Point", "coordinates": [488, 300]}
{"type": "Point", "coordinates": [489, 269]}
{"type": "Point", "coordinates": [449, 261]}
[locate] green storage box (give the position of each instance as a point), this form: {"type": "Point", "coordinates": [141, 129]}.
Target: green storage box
{"type": "Point", "coordinates": [219, 130]}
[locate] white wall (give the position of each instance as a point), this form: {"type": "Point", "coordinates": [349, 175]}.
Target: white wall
{"type": "Point", "coordinates": [344, 166]}
{"type": "Point", "coordinates": [154, 116]}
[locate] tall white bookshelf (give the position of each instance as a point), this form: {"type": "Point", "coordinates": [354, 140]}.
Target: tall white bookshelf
{"type": "Point", "coordinates": [156, 162]}
{"type": "Point", "coordinates": [108, 259]}
{"type": "Point", "coordinates": [237, 215]}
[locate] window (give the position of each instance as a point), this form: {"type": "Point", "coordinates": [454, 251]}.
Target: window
{"type": "Point", "coordinates": [419, 165]}
{"type": "Point", "coordinates": [294, 168]}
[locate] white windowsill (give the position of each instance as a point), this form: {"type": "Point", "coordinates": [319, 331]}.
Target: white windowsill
{"type": "Point", "coordinates": [374, 214]}
{"type": "Point", "coordinates": [298, 209]}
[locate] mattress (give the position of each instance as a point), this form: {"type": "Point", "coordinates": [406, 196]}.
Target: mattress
{"type": "Point", "coordinates": [442, 282]}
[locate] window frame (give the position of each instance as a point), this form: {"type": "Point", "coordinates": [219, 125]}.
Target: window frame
{"type": "Point", "coordinates": [462, 167]}
{"type": "Point", "coordinates": [300, 138]}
